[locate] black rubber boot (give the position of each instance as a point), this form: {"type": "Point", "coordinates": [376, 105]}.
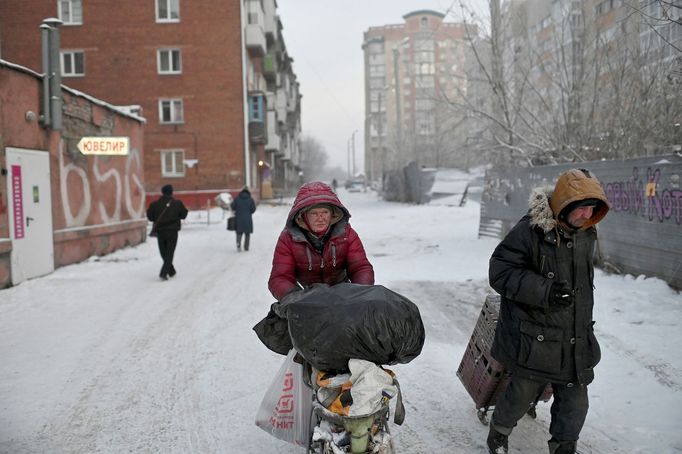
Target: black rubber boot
{"type": "Point", "coordinates": [562, 447]}
{"type": "Point", "coordinates": [497, 442]}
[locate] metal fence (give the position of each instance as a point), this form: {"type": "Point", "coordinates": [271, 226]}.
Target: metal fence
{"type": "Point", "coordinates": [642, 233]}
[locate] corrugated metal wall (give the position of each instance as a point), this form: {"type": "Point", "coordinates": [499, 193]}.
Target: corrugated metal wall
{"type": "Point", "coordinates": [642, 233]}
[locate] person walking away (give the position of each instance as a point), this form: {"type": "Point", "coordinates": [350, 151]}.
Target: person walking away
{"type": "Point", "coordinates": [544, 273]}
{"type": "Point", "coordinates": [243, 207]}
{"type": "Point", "coordinates": [317, 245]}
{"type": "Point", "coordinates": [335, 184]}
{"type": "Point", "coordinates": [166, 214]}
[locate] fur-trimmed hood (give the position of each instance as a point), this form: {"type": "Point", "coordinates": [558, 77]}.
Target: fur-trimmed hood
{"type": "Point", "coordinates": [546, 203]}
{"type": "Point", "coordinates": [538, 209]}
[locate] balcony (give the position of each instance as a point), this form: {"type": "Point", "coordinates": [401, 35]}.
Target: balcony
{"type": "Point", "coordinates": [271, 19]}
{"type": "Point", "coordinates": [269, 67]}
{"type": "Point", "coordinates": [273, 136]}
{"type": "Point", "coordinates": [257, 133]}
{"type": "Point", "coordinates": [255, 39]}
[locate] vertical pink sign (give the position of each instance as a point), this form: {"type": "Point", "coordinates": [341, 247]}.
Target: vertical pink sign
{"type": "Point", "coordinates": [17, 203]}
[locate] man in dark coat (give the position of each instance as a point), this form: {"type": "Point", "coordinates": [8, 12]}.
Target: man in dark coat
{"type": "Point", "coordinates": [317, 245]}
{"type": "Point", "coordinates": [243, 207]}
{"type": "Point", "coordinates": [544, 273]}
{"type": "Point", "coordinates": [166, 213]}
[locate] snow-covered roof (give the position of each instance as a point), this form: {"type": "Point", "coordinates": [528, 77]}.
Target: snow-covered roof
{"type": "Point", "coordinates": [122, 110]}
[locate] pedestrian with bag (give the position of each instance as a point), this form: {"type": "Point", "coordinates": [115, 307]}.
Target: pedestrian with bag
{"type": "Point", "coordinates": [243, 207]}
{"type": "Point", "coordinates": [317, 245]}
{"type": "Point", "coordinates": [166, 213]}
{"type": "Point", "coordinates": [543, 270]}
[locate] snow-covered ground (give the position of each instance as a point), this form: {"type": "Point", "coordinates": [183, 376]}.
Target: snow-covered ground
{"type": "Point", "coordinates": [103, 357]}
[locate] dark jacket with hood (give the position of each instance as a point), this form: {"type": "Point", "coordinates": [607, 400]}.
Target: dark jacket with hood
{"type": "Point", "coordinates": [243, 207]}
{"type": "Point", "coordinates": [535, 338]}
{"type": "Point", "coordinates": [301, 259]}
{"type": "Point", "coordinates": [168, 220]}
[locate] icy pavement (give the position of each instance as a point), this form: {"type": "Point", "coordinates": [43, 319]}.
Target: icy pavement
{"type": "Point", "coordinates": [103, 357]}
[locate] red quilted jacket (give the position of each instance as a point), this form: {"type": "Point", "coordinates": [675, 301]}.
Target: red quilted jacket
{"type": "Point", "coordinates": [296, 261]}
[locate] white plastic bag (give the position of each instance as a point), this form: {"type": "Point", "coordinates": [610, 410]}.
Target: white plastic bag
{"type": "Point", "coordinates": [286, 408]}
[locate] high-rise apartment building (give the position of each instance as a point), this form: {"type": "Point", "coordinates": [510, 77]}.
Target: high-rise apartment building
{"type": "Point", "coordinates": [212, 79]}
{"type": "Point", "coordinates": [413, 74]}
{"type": "Point", "coordinates": [595, 78]}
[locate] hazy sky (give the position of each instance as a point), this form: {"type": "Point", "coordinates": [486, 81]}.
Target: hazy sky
{"type": "Point", "coordinates": [324, 37]}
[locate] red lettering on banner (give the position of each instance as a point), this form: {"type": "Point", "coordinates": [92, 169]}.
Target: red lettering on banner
{"type": "Point", "coordinates": [17, 202]}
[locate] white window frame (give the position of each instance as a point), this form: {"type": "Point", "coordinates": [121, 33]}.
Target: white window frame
{"type": "Point", "coordinates": [70, 20]}
{"type": "Point", "coordinates": [72, 54]}
{"type": "Point", "coordinates": [172, 61]}
{"type": "Point", "coordinates": [173, 104]}
{"type": "Point", "coordinates": [177, 168]}
{"type": "Point", "coordinates": [169, 8]}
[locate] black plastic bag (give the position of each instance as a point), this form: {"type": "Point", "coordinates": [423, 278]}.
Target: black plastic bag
{"type": "Point", "coordinates": [330, 325]}
{"type": "Point", "coordinates": [273, 332]}
{"type": "Point", "coordinates": [232, 223]}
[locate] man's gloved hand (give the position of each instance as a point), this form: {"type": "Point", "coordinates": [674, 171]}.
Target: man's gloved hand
{"type": "Point", "coordinates": [561, 294]}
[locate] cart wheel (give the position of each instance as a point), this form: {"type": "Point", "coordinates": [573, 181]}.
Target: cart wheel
{"type": "Point", "coordinates": [482, 414]}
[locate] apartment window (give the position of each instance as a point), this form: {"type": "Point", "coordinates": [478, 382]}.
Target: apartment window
{"type": "Point", "coordinates": [167, 10]}
{"type": "Point", "coordinates": [424, 23]}
{"type": "Point", "coordinates": [377, 70]}
{"type": "Point", "coordinates": [171, 111]}
{"type": "Point", "coordinates": [73, 63]}
{"type": "Point", "coordinates": [169, 61]}
{"type": "Point", "coordinates": [376, 82]}
{"type": "Point", "coordinates": [70, 12]}
{"type": "Point", "coordinates": [172, 163]}
{"type": "Point", "coordinates": [376, 47]}
{"type": "Point", "coordinates": [256, 108]}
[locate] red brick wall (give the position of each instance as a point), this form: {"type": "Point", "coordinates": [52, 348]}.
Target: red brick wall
{"type": "Point", "coordinates": [98, 202]}
{"type": "Point", "coordinates": [120, 44]}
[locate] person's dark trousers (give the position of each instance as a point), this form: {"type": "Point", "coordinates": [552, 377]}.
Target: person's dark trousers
{"type": "Point", "coordinates": [247, 236]}
{"type": "Point", "coordinates": [167, 240]}
{"type": "Point", "coordinates": [569, 407]}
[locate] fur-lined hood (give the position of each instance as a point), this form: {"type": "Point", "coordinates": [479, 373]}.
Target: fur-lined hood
{"type": "Point", "coordinates": [546, 203]}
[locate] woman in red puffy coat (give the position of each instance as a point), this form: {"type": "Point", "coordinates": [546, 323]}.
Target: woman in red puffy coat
{"type": "Point", "coordinates": [318, 245]}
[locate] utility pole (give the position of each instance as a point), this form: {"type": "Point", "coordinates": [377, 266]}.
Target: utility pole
{"type": "Point", "coordinates": [348, 158]}
{"type": "Point", "coordinates": [398, 126]}
{"type": "Point", "coordinates": [352, 138]}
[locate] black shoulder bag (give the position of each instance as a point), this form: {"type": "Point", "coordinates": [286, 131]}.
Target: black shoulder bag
{"type": "Point", "coordinates": [153, 232]}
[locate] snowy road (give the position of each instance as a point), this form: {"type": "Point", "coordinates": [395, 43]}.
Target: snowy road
{"type": "Point", "coordinates": [102, 357]}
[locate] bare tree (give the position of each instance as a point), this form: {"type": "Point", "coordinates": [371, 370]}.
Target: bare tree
{"type": "Point", "coordinates": [569, 88]}
{"type": "Point", "coordinates": [314, 158]}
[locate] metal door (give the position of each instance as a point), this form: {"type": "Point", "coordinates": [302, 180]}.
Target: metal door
{"type": "Point", "coordinates": [30, 209]}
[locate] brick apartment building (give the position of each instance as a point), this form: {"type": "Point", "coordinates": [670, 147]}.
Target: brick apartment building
{"type": "Point", "coordinates": [212, 79]}
{"type": "Point", "coordinates": [411, 69]}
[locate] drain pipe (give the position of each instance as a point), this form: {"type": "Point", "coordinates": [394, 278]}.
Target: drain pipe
{"type": "Point", "coordinates": [245, 101]}
{"type": "Point", "coordinates": [55, 74]}
{"type": "Point", "coordinates": [52, 74]}
{"type": "Point", "coordinates": [45, 39]}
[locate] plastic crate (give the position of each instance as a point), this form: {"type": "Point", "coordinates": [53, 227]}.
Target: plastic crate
{"type": "Point", "coordinates": [484, 331]}
{"type": "Point", "coordinates": [481, 375]}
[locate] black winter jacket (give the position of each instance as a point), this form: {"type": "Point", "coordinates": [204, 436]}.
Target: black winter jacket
{"type": "Point", "coordinates": [170, 218]}
{"type": "Point", "coordinates": [534, 338]}
{"type": "Point", "coordinates": [244, 207]}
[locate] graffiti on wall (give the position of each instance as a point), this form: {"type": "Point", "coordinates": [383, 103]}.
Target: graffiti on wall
{"type": "Point", "coordinates": [643, 194]}
{"type": "Point", "coordinates": [123, 185]}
